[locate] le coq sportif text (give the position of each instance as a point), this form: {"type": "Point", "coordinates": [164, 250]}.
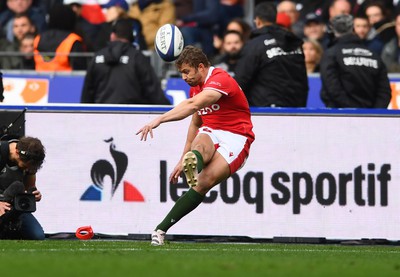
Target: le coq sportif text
{"type": "Point", "coordinates": [363, 186]}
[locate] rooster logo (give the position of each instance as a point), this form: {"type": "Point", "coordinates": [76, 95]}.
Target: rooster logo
{"type": "Point", "coordinates": [103, 168]}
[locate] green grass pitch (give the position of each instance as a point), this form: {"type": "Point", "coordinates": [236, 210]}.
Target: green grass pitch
{"type": "Point", "coordinates": [137, 258]}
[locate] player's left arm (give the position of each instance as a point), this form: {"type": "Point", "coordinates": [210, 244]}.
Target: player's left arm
{"type": "Point", "coordinates": [182, 110]}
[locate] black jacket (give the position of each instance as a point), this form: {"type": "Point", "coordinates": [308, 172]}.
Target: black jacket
{"type": "Point", "coordinates": [353, 76]}
{"type": "Point", "coordinates": [4, 154]}
{"type": "Point", "coordinates": [121, 74]}
{"type": "Point", "coordinates": [271, 70]}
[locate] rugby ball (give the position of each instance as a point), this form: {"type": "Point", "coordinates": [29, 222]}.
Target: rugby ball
{"type": "Point", "coordinates": [169, 42]}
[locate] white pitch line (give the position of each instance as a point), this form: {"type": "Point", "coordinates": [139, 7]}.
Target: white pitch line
{"type": "Point", "coordinates": [397, 251]}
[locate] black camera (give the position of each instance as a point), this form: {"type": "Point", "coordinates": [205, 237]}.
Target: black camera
{"type": "Point", "coordinates": [22, 202]}
{"type": "Point", "coordinates": [25, 202]}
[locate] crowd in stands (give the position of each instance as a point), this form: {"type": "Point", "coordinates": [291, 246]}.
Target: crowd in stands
{"type": "Point", "coordinates": [64, 35]}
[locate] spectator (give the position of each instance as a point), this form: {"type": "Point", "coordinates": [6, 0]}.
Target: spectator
{"type": "Point", "coordinates": [240, 25]}
{"type": "Point", "coordinates": [271, 70]}
{"type": "Point", "coordinates": [36, 14]}
{"type": "Point", "coordinates": [61, 40]}
{"type": "Point", "coordinates": [338, 7]}
{"type": "Point", "coordinates": [374, 12]}
{"type": "Point", "coordinates": [236, 24]}
{"type": "Point", "coordinates": [289, 8]}
{"type": "Point", "coordinates": [312, 6]}
{"type": "Point", "coordinates": [382, 25]}
{"type": "Point", "coordinates": [21, 26]}
{"type": "Point", "coordinates": [114, 10]}
{"type": "Point", "coordinates": [121, 74]}
{"type": "Point", "coordinates": [199, 26]}
{"type": "Point", "coordinates": [7, 60]}
{"type": "Point", "coordinates": [87, 30]}
{"type": "Point", "coordinates": [229, 9]}
{"type": "Point", "coordinates": [391, 50]}
{"type": "Point", "coordinates": [352, 75]}
{"type": "Point", "coordinates": [283, 20]}
{"type": "Point", "coordinates": [152, 14]}
{"type": "Point", "coordinates": [315, 29]}
{"type": "Point", "coordinates": [48, 4]}
{"type": "Point", "coordinates": [231, 46]}
{"type": "Point", "coordinates": [312, 55]}
{"type": "Point", "coordinates": [26, 47]}
{"type": "Point", "coordinates": [388, 5]}
{"type": "Point", "coordinates": [362, 28]}
{"type": "Point", "coordinates": [90, 10]}
{"type": "Point", "coordinates": [329, 8]}
{"type": "Point", "coordinates": [335, 8]}
{"type": "Point", "coordinates": [182, 8]}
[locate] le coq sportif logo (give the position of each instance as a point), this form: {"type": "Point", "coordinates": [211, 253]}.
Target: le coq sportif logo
{"type": "Point", "coordinates": [115, 171]}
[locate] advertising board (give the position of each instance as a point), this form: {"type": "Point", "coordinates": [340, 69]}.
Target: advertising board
{"type": "Point", "coordinates": [331, 176]}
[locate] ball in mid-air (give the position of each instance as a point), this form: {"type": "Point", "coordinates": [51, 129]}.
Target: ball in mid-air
{"type": "Point", "coordinates": [169, 42]}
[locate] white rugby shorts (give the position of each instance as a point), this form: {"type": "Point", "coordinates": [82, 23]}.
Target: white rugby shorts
{"type": "Point", "coordinates": [233, 147]}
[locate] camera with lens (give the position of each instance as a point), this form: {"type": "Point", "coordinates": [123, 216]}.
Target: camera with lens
{"type": "Point", "coordinates": [25, 202]}
{"type": "Point", "coordinates": [22, 202]}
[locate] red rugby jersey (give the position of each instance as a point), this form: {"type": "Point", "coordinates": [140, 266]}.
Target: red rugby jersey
{"type": "Point", "coordinates": [231, 112]}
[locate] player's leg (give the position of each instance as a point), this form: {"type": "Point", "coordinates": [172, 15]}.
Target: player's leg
{"type": "Point", "coordinates": [204, 151]}
{"type": "Point", "coordinates": [232, 147]}
{"type": "Point", "coordinates": [219, 164]}
{"type": "Point", "coordinates": [216, 171]}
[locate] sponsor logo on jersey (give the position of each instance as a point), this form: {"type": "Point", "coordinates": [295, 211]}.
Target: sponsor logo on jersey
{"type": "Point", "coordinates": [209, 109]}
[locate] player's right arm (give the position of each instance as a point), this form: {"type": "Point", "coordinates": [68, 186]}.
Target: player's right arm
{"type": "Point", "coordinates": [182, 110]}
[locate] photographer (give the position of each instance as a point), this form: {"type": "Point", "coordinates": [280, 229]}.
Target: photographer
{"type": "Point", "coordinates": [20, 159]}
